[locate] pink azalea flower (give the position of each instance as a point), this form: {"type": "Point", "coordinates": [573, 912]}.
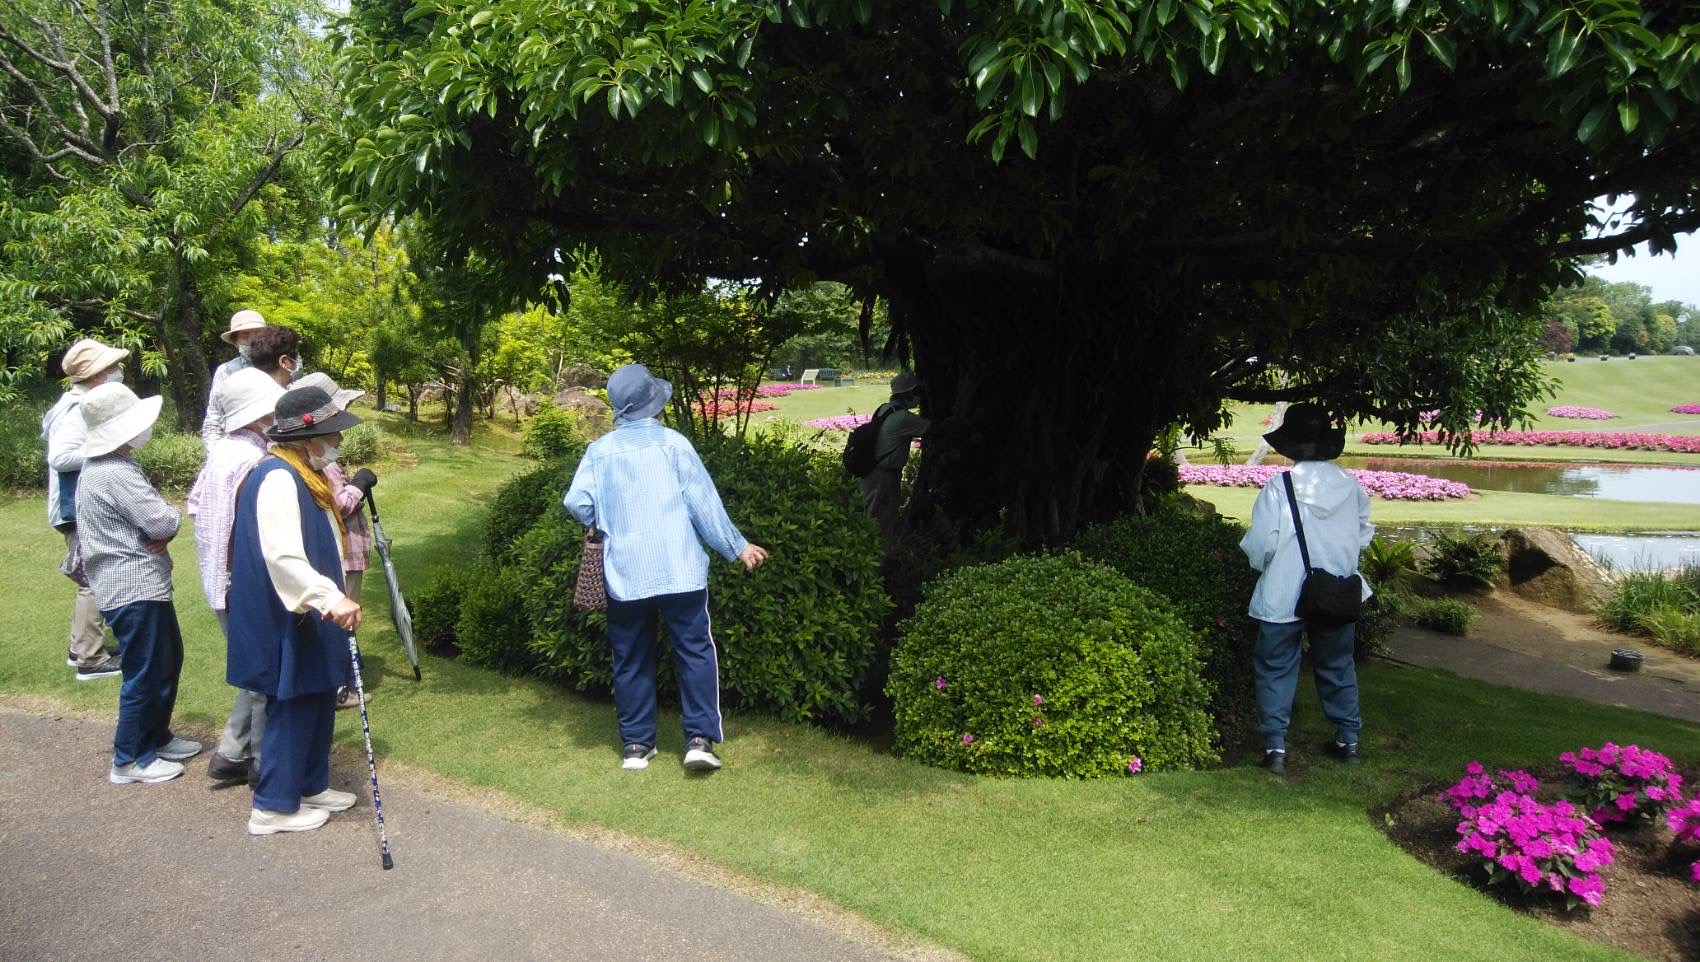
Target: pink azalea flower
{"type": "Point", "coordinates": [1038, 700]}
{"type": "Point", "coordinates": [1135, 765]}
{"type": "Point", "coordinates": [967, 739]}
{"type": "Point", "coordinates": [940, 683]}
{"type": "Point", "coordinates": [1038, 722]}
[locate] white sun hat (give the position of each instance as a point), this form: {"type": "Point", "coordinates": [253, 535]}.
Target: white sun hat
{"type": "Point", "coordinates": [249, 395]}
{"type": "Point", "coordinates": [88, 357]}
{"type": "Point", "coordinates": [341, 397]}
{"type": "Point", "coordinates": [115, 416]}
{"type": "Point", "coordinates": [242, 321]}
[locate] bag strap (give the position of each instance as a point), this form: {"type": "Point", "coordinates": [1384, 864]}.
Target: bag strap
{"type": "Point", "coordinates": [1298, 525]}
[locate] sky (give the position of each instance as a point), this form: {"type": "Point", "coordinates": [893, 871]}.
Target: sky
{"type": "Point", "coordinates": [1672, 277]}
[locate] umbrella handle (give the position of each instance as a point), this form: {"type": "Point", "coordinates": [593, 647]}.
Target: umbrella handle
{"type": "Point", "coordinates": [372, 503]}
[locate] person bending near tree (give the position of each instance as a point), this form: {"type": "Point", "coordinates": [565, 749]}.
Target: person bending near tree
{"type": "Point", "coordinates": [290, 617]}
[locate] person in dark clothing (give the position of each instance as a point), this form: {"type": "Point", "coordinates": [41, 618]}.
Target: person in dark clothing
{"type": "Point", "coordinates": [882, 492]}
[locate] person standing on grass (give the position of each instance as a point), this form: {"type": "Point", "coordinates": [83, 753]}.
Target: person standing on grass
{"type": "Point", "coordinates": [243, 326]}
{"type": "Point", "coordinates": [289, 615]}
{"type": "Point", "coordinates": [357, 535]}
{"type": "Point", "coordinates": [88, 364]}
{"type": "Point", "coordinates": [644, 488]}
{"type": "Point", "coordinates": [1335, 511]}
{"type": "Point", "coordinates": [125, 529]}
{"type": "Point", "coordinates": [250, 399]}
{"type": "Point", "coordinates": [882, 488]}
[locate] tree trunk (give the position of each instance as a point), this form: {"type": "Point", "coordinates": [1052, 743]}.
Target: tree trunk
{"type": "Point", "coordinates": [381, 396]}
{"type": "Point", "coordinates": [460, 432]}
{"type": "Point", "coordinates": [412, 402]}
{"type": "Point", "coordinates": [179, 332]}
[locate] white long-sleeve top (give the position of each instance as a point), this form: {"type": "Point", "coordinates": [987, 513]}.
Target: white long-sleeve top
{"type": "Point", "coordinates": [1335, 509]}
{"type": "Point", "coordinates": [212, 426]}
{"type": "Point", "coordinates": [298, 584]}
{"type": "Point", "coordinates": [64, 431]}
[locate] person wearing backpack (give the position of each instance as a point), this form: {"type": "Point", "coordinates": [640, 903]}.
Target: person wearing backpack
{"type": "Point", "coordinates": [1308, 527]}
{"type": "Point", "coordinates": [892, 432]}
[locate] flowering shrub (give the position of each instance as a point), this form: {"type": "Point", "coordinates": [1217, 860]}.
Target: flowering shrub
{"type": "Point", "coordinates": [1678, 444]}
{"type": "Point", "coordinates": [765, 390]}
{"type": "Point", "coordinates": [840, 422]}
{"type": "Point", "coordinates": [1542, 848]}
{"type": "Point", "coordinates": [1392, 485]}
{"type": "Point", "coordinates": [1686, 409]}
{"type": "Point", "coordinates": [1685, 822]}
{"type": "Point", "coordinates": [717, 408]}
{"type": "Point", "coordinates": [1579, 413]}
{"type": "Point", "coordinates": [1477, 788]}
{"type": "Point", "coordinates": [1618, 782]}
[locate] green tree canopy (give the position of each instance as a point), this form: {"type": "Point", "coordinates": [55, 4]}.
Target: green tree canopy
{"type": "Point", "coordinates": [1091, 218]}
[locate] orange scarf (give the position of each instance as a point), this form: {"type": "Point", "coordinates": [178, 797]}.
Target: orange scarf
{"type": "Point", "coordinates": [317, 484]}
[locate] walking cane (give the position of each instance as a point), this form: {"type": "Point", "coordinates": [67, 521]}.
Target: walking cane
{"type": "Point", "coordinates": [371, 759]}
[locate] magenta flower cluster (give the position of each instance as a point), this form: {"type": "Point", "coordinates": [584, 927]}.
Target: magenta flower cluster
{"type": "Point", "coordinates": [1579, 413]}
{"type": "Point", "coordinates": [840, 422]}
{"type": "Point", "coordinates": [765, 390]}
{"type": "Point", "coordinates": [1686, 409]}
{"type": "Point", "coordinates": [1550, 848]}
{"type": "Point", "coordinates": [1676, 443]}
{"type": "Point", "coordinates": [1685, 822]}
{"type": "Point", "coordinates": [1392, 485]}
{"type": "Point", "coordinates": [1618, 782]}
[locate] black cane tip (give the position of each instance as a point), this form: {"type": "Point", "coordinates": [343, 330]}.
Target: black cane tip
{"type": "Point", "coordinates": [416, 675]}
{"type": "Point", "coordinates": [389, 863]}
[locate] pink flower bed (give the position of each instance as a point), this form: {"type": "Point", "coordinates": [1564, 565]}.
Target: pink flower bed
{"type": "Point", "coordinates": [1392, 485]}
{"type": "Point", "coordinates": [1676, 443]}
{"type": "Point", "coordinates": [1619, 782]}
{"type": "Point", "coordinates": [1685, 822]}
{"type": "Point", "coordinates": [725, 408]}
{"type": "Point", "coordinates": [1541, 848]}
{"type": "Point", "coordinates": [1579, 413]}
{"type": "Point", "coordinates": [766, 390]}
{"type": "Point", "coordinates": [840, 422]}
{"type": "Point", "coordinates": [1686, 409]}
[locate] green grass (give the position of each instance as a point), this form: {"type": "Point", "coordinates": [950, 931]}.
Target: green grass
{"type": "Point", "coordinates": [1507, 508]}
{"type": "Point", "coordinates": [1202, 865]}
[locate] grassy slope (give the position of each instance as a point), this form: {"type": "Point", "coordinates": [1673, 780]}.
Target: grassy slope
{"type": "Point", "coordinates": [1020, 870]}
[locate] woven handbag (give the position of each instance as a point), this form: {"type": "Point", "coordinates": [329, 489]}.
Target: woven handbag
{"type": "Point", "coordinates": [591, 591]}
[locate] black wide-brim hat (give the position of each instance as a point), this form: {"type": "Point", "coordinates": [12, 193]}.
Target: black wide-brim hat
{"type": "Point", "coordinates": [1307, 433]}
{"type": "Point", "coordinates": [308, 412]}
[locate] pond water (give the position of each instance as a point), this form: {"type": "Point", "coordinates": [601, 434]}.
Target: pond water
{"type": "Point", "coordinates": [1641, 551]}
{"type": "Point", "coordinates": [1607, 482]}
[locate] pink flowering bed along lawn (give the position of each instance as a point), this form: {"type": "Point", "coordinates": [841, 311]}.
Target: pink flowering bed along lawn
{"type": "Point", "coordinates": [1579, 413]}
{"type": "Point", "coordinates": [1686, 409]}
{"type": "Point", "coordinates": [1676, 443]}
{"type": "Point", "coordinates": [840, 422]}
{"type": "Point", "coordinates": [1392, 485]}
{"type": "Point", "coordinates": [726, 407]}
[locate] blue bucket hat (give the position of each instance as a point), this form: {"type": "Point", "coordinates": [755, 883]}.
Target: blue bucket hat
{"type": "Point", "coordinates": [635, 394]}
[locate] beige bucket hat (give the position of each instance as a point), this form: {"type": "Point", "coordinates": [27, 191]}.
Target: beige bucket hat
{"type": "Point", "coordinates": [249, 395]}
{"type": "Point", "coordinates": [340, 396]}
{"type": "Point", "coordinates": [242, 321]}
{"type": "Point", "coordinates": [115, 416]}
{"type": "Point", "coordinates": [89, 357]}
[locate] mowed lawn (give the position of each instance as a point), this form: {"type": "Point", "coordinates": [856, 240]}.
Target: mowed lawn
{"type": "Point", "coordinates": [1227, 864]}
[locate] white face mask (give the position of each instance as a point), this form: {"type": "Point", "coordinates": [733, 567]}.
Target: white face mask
{"type": "Point", "coordinates": [116, 376]}
{"type": "Point", "coordinates": [141, 439]}
{"type": "Point", "coordinates": [328, 456]}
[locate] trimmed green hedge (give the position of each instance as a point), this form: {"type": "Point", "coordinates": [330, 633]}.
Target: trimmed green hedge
{"type": "Point", "coordinates": [1049, 665]}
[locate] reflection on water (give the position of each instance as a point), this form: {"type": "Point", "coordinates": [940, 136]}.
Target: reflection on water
{"type": "Point", "coordinates": [1607, 482]}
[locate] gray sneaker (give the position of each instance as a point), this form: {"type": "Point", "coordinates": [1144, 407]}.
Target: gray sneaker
{"type": "Point", "coordinates": [108, 668]}
{"type": "Point", "coordinates": [699, 755]}
{"type": "Point", "coordinates": [178, 749]}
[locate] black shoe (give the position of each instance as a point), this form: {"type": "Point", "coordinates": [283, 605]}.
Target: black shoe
{"type": "Point", "coordinates": [1275, 760]}
{"type": "Point", "coordinates": [1343, 751]}
{"type": "Point", "coordinates": [699, 755]}
{"type": "Point", "coordinates": [108, 668]}
{"type": "Point", "coordinates": [221, 769]}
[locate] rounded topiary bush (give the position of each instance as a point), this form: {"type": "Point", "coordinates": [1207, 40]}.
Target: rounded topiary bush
{"type": "Point", "coordinates": [794, 637]}
{"type": "Point", "coordinates": [521, 502]}
{"type": "Point", "coordinates": [436, 607]}
{"type": "Point", "coordinates": [1194, 560]}
{"type": "Point", "coordinates": [1049, 665]}
{"type": "Point", "coordinates": [492, 630]}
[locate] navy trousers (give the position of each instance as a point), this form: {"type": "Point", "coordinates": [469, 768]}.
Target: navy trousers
{"type": "Point", "coordinates": [632, 635]}
{"type": "Point", "coordinates": [1276, 667]}
{"type": "Point", "coordinates": [150, 651]}
{"type": "Point", "coordinates": [295, 753]}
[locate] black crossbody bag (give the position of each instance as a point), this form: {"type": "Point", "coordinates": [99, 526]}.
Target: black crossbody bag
{"type": "Point", "coordinates": [1325, 597]}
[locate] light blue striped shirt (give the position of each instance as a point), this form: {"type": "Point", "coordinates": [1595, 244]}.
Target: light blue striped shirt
{"type": "Point", "coordinates": [646, 490]}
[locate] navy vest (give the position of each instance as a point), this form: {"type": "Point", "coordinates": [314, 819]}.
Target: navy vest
{"type": "Point", "coordinates": [273, 650]}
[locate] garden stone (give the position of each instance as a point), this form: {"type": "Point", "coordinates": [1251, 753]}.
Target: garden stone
{"type": "Point", "coordinates": [582, 376]}
{"type": "Point", "coordinates": [1545, 566]}
{"type": "Point", "coordinates": [1187, 504]}
{"type": "Point", "coordinates": [591, 409]}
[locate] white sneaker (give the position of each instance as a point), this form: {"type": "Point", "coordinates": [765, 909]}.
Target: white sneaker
{"type": "Point", "coordinates": [330, 800]}
{"type": "Point", "coordinates": [262, 822]}
{"type": "Point", "coordinates": [158, 770]}
{"type": "Point", "coordinates": [637, 757]}
{"type": "Point", "coordinates": [699, 755]}
{"type": "Point", "coordinates": [178, 749]}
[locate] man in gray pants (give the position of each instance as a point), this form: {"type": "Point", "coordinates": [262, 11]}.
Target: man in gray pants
{"type": "Point", "coordinates": [882, 490]}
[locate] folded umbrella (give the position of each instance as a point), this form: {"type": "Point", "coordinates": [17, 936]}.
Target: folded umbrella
{"type": "Point", "coordinates": [398, 604]}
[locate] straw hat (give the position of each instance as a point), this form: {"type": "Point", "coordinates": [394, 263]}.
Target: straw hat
{"type": "Point", "coordinates": [115, 416]}
{"type": "Point", "coordinates": [308, 412]}
{"type": "Point", "coordinates": [242, 321]}
{"type": "Point", "coordinates": [341, 397]}
{"type": "Point", "coordinates": [249, 395]}
{"type": "Point", "coordinates": [87, 358]}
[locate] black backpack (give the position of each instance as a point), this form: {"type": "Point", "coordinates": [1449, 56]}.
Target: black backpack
{"type": "Point", "coordinates": [860, 449]}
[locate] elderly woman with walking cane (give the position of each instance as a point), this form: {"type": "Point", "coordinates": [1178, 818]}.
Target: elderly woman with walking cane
{"type": "Point", "coordinates": [290, 616]}
{"type": "Point", "coordinates": [645, 490]}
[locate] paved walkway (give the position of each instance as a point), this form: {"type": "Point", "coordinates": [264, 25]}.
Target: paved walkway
{"type": "Point", "coordinates": [1529, 646]}
{"type": "Point", "coordinates": [94, 871]}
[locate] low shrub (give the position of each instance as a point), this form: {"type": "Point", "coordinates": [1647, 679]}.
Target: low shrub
{"type": "Point", "coordinates": [1619, 783]}
{"type": "Point", "coordinates": [492, 630]}
{"type": "Point", "coordinates": [362, 444]}
{"type": "Point", "coordinates": [1464, 560]}
{"type": "Point", "coordinates": [553, 435]}
{"type": "Point", "coordinates": [520, 503]}
{"type": "Point", "coordinates": [171, 461]}
{"type": "Point", "coordinates": [1447, 615]}
{"type": "Point", "coordinates": [1674, 629]}
{"type": "Point", "coordinates": [1636, 595]}
{"type": "Point", "coordinates": [436, 607]}
{"type": "Point", "coordinates": [1381, 616]}
{"type": "Point", "coordinates": [1049, 665]}
{"type": "Point", "coordinates": [1386, 559]}
{"type": "Point", "coordinates": [23, 463]}
{"type": "Point", "coordinates": [1194, 561]}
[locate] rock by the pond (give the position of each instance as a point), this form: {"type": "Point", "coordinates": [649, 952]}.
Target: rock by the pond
{"type": "Point", "coordinates": [1187, 504]}
{"type": "Point", "coordinates": [582, 375]}
{"type": "Point", "coordinates": [1545, 566]}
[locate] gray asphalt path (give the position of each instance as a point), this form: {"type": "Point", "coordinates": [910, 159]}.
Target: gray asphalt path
{"type": "Point", "coordinates": [94, 871]}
